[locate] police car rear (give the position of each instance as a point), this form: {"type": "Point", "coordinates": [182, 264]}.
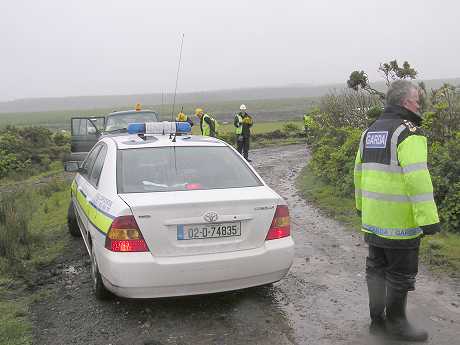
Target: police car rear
{"type": "Point", "coordinates": [198, 220]}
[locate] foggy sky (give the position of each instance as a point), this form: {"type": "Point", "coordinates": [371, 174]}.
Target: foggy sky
{"type": "Point", "coordinates": [53, 48]}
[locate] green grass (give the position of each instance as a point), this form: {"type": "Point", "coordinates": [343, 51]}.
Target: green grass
{"type": "Point", "coordinates": [48, 238]}
{"type": "Point", "coordinates": [55, 168]}
{"type": "Point", "coordinates": [257, 128]}
{"type": "Point", "coordinates": [49, 226]}
{"type": "Point", "coordinates": [49, 119]}
{"type": "Point", "coordinates": [226, 132]}
{"type": "Point", "coordinates": [440, 252]}
{"type": "Point", "coordinates": [262, 111]}
{"type": "Point", "coordinates": [322, 195]}
{"type": "Point", "coordinates": [15, 328]}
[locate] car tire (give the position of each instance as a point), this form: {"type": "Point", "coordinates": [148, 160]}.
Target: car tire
{"type": "Point", "coordinates": [72, 224]}
{"type": "Point", "coordinates": [99, 289]}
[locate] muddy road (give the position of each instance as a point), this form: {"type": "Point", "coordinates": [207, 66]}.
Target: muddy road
{"type": "Point", "coordinates": [322, 301]}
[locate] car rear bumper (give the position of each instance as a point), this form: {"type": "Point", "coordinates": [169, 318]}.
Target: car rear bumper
{"type": "Point", "coordinates": [141, 275]}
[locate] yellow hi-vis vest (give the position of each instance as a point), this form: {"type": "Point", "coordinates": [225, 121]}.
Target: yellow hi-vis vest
{"type": "Point", "coordinates": [307, 121]}
{"type": "Point", "coordinates": [239, 129]}
{"type": "Point", "coordinates": [393, 188]}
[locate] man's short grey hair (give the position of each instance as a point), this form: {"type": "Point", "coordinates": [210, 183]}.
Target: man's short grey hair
{"type": "Point", "coordinates": [399, 90]}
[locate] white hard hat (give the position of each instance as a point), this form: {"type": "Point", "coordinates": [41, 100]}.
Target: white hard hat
{"type": "Point", "coordinates": [242, 107]}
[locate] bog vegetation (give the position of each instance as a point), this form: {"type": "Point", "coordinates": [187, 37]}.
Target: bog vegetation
{"type": "Point", "coordinates": [30, 150]}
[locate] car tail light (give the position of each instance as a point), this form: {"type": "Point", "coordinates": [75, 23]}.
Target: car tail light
{"type": "Point", "coordinates": [193, 186]}
{"type": "Point", "coordinates": [280, 225]}
{"type": "Point", "coordinates": [124, 236]}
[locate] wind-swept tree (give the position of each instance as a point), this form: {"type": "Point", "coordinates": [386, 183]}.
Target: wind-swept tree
{"type": "Point", "coordinates": [391, 71]}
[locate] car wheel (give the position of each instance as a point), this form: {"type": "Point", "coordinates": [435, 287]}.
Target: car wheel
{"type": "Point", "coordinates": [72, 222]}
{"type": "Point", "coordinates": [99, 289]}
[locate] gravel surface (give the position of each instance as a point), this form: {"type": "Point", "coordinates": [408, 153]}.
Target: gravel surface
{"type": "Point", "coordinates": [323, 299]}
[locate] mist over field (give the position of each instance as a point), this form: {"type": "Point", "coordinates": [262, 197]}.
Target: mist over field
{"type": "Point", "coordinates": [265, 103]}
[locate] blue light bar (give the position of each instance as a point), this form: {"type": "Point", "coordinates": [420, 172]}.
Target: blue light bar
{"type": "Point", "coordinates": [183, 127]}
{"type": "Point", "coordinates": [136, 128]}
{"type": "Point", "coordinates": [159, 128]}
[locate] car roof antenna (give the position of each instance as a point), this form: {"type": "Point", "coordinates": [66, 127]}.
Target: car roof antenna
{"type": "Point", "coordinates": [177, 76]}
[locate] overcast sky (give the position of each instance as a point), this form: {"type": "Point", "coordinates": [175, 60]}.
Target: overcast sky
{"type": "Point", "coordinates": [98, 47]}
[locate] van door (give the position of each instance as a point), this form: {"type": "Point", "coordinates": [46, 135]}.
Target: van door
{"type": "Point", "coordinates": [86, 132]}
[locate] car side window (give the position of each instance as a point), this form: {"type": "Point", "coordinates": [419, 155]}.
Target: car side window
{"type": "Point", "coordinates": [83, 127]}
{"type": "Point", "coordinates": [98, 165]}
{"type": "Point", "coordinates": [77, 127]}
{"type": "Point", "coordinates": [89, 161]}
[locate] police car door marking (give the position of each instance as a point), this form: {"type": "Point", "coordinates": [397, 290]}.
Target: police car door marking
{"type": "Point", "coordinates": [376, 140]}
{"type": "Point", "coordinates": [103, 205]}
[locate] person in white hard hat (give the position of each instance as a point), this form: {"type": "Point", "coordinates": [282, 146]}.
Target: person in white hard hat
{"type": "Point", "coordinates": [243, 123]}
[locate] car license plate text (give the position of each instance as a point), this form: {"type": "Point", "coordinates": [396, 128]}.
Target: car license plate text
{"type": "Point", "coordinates": [204, 231]}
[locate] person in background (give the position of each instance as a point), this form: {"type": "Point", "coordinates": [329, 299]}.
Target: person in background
{"type": "Point", "coordinates": [394, 196]}
{"type": "Point", "coordinates": [182, 117]}
{"type": "Point", "coordinates": [243, 123]}
{"type": "Point", "coordinates": [307, 121]}
{"type": "Point", "coordinates": [207, 123]}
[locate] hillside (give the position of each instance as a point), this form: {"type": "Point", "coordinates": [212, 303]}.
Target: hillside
{"type": "Point", "coordinates": [238, 95]}
{"type": "Point", "coordinates": [262, 110]}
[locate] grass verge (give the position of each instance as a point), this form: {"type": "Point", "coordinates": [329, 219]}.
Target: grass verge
{"type": "Point", "coordinates": [322, 195]}
{"type": "Point", "coordinates": [440, 252]}
{"type": "Point", "coordinates": [45, 241]}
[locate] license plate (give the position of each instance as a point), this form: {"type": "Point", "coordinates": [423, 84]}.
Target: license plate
{"type": "Point", "coordinates": [204, 231]}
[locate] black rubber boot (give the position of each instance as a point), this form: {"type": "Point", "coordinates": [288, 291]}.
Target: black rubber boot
{"type": "Point", "coordinates": [397, 326]}
{"type": "Point", "coordinates": [377, 291]}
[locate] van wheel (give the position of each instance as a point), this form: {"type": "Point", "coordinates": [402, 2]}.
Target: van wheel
{"type": "Point", "coordinates": [72, 224]}
{"type": "Point", "coordinates": [99, 289]}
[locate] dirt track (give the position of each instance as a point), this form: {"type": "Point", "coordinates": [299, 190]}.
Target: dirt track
{"type": "Point", "coordinates": [322, 301]}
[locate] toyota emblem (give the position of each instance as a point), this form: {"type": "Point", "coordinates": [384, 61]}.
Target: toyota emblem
{"type": "Point", "coordinates": [211, 217]}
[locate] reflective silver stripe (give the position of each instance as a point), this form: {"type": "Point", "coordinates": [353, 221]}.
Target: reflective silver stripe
{"type": "Point", "coordinates": [361, 144]}
{"type": "Point", "coordinates": [415, 167]}
{"type": "Point", "coordinates": [393, 168]}
{"type": "Point", "coordinates": [385, 197]}
{"type": "Point", "coordinates": [394, 144]}
{"type": "Point", "coordinates": [358, 192]}
{"type": "Point", "coordinates": [382, 167]}
{"type": "Point", "coordinates": [397, 198]}
{"type": "Point", "coordinates": [358, 167]}
{"type": "Point", "coordinates": [422, 197]}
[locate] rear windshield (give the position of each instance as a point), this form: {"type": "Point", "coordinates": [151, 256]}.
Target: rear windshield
{"type": "Point", "coordinates": [163, 169]}
{"type": "Point", "coordinates": [121, 121]}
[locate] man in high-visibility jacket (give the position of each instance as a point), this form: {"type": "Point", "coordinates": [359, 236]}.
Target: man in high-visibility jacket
{"type": "Point", "coordinates": [207, 123]}
{"type": "Point", "coordinates": [307, 122]}
{"type": "Point", "coordinates": [243, 123]}
{"type": "Point", "coordinates": [394, 196]}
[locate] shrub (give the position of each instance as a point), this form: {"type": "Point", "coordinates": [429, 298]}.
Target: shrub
{"type": "Point", "coordinates": [291, 128]}
{"type": "Point", "coordinates": [442, 121]}
{"type": "Point", "coordinates": [445, 172]}
{"type": "Point", "coordinates": [348, 108]}
{"type": "Point", "coordinates": [15, 215]}
{"type": "Point", "coordinates": [334, 156]}
{"type": "Point", "coordinates": [29, 150]}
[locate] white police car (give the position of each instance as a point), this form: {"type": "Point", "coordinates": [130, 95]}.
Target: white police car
{"type": "Point", "coordinates": [169, 215]}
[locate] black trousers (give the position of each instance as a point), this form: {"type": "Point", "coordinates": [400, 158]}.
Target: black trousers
{"type": "Point", "coordinates": [397, 268]}
{"type": "Point", "coordinates": [242, 145]}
